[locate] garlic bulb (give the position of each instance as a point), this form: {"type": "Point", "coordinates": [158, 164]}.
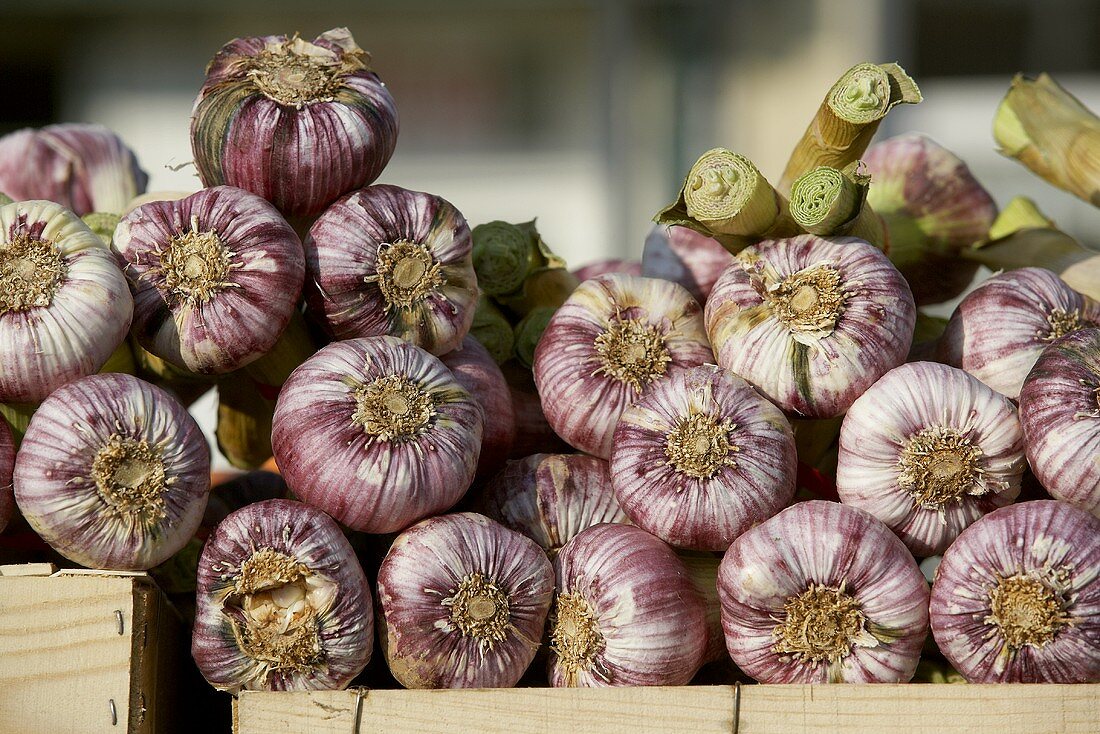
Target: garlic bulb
{"type": "Point", "coordinates": [1060, 413]}
{"type": "Point", "coordinates": [480, 376]}
{"type": "Point", "coordinates": [84, 168]}
{"type": "Point", "coordinates": [626, 612]}
{"type": "Point", "coordinates": [611, 341]}
{"type": "Point", "coordinates": [377, 433]}
{"type": "Point", "coordinates": [701, 458]}
{"type": "Point", "coordinates": [998, 331]}
{"type": "Point", "coordinates": [386, 260]}
{"type": "Point", "coordinates": [7, 466]}
{"type": "Point", "coordinates": [823, 593]}
{"type": "Point", "coordinates": [928, 450]}
{"type": "Point", "coordinates": [552, 497]}
{"type": "Point", "coordinates": [215, 276]}
{"type": "Point", "coordinates": [811, 322]}
{"type": "Point", "coordinates": [282, 602]}
{"type": "Point", "coordinates": [113, 473]}
{"type": "Point", "coordinates": [614, 265]}
{"type": "Point", "coordinates": [1016, 598]}
{"type": "Point", "coordinates": [933, 208]}
{"type": "Point", "coordinates": [299, 123]}
{"type": "Point", "coordinates": [464, 602]}
{"type": "Point", "coordinates": [686, 257]}
{"type": "Point", "coordinates": [533, 432]}
{"type": "Point", "coordinates": [64, 304]}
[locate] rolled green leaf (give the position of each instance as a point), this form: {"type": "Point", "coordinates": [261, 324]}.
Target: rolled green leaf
{"type": "Point", "coordinates": [1020, 213]}
{"type": "Point", "coordinates": [18, 417]}
{"type": "Point", "coordinates": [545, 288]}
{"type": "Point", "coordinates": [504, 255]}
{"type": "Point", "coordinates": [726, 197]}
{"type": "Point", "coordinates": [293, 347]}
{"type": "Point", "coordinates": [829, 201]}
{"type": "Point", "coordinates": [493, 330]}
{"type": "Point", "coordinates": [848, 118]}
{"type": "Point", "coordinates": [103, 224]}
{"type": "Point", "coordinates": [1048, 130]}
{"type": "Point", "coordinates": [244, 421]}
{"type": "Point", "coordinates": [528, 333]}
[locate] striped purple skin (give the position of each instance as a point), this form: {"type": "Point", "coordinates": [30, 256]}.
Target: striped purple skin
{"type": "Point", "coordinates": [480, 376]}
{"type": "Point", "coordinates": [300, 158]}
{"type": "Point", "coordinates": [342, 251]}
{"type": "Point", "coordinates": [424, 646]}
{"type": "Point", "coordinates": [998, 331]}
{"type": "Point", "coordinates": [685, 256]}
{"type": "Point", "coordinates": [87, 318]}
{"type": "Point", "coordinates": [239, 323]}
{"type": "Point", "coordinates": [84, 168]}
{"type": "Point", "coordinates": [345, 627]}
{"type": "Point", "coordinates": [1037, 537]}
{"type": "Point", "coordinates": [648, 611]}
{"type": "Point", "coordinates": [583, 404]}
{"type": "Point", "coordinates": [552, 497]}
{"type": "Point", "coordinates": [703, 513]}
{"type": "Point", "coordinates": [904, 402]}
{"type": "Point", "coordinates": [601, 267]}
{"type": "Point", "coordinates": [811, 374]}
{"type": "Point", "coordinates": [7, 465]}
{"type": "Point", "coordinates": [830, 544]}
{"type": "Point", "coordinates": [1060, 413]}
{"type": "Point", "coordinates": [55, 491]}
{"type": "Point", "coordinates": [366, 483]}
{"type": "Point", "coordinates": [933, 208]}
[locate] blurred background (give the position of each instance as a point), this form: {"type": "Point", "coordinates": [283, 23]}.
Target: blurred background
{"type": "Point", "coordinates": [583, 114]}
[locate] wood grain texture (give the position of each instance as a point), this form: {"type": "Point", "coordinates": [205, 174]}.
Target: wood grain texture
{"type": "Point", "coordinates": [772, 709]}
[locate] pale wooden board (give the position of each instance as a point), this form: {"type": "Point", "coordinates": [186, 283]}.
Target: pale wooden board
{"type": "Point", "coordinates": [773, 709]}
{"type": "Point", "coordinates": [62, 659]}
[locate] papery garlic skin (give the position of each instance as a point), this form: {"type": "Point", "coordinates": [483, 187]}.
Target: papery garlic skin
{"type": "Point", "coordinates": [928, 450]}
{"type": "Point", "coordinates": [998, 331]}
{"type": "Point", "coordinates": [64, 303]}
{"type": "Point", "coordinates": [113, 473]}
{"type": "Point", "coordinates": [701, 458]}
{"type": "Point", "coordinates": [811, 321]}
{"type": "Point", "coordinates": [282, 602]}
{"type": "Point", "coordinates": [299, 123]}
{"type": "Point", "coordinates": [601, 267]}
{"type": "Point", "coordinates": [464, 602]}
{"type": "Point", "coordinates": [626, 612]}
{"type": "Point", "coordinates": [552, 497]}
{"type": "Point", "coordinates": [1016, 598]}
{"type": "Point", "coordinates": [476, 371]}
{"type": "Point", "coordinates": [215, 276]}
{"type": "Point", "coordinates": [7, 466]}
{"type": "Point", "coordinates": [823, 593]}
{"type": "Point", "coordinates": [386, 260]}
{"type": "Point", "coordinates": [614, 338]}
{"type": "Point", "coordinates": [684, 256]}
{"type": "Point", "coordinates": [933, 208]}
{"type": "Point", "coordinates": [1060, 413]}
{"type": "Point", "coordinates": [377, 433]}
{"type": "Point", "coordinates": [84, 168]}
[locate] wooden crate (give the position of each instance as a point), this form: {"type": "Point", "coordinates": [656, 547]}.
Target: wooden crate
{"type": "Point", "coordinates": [88, 651]}
{"type": "Point", "coordinates": [771, 709]}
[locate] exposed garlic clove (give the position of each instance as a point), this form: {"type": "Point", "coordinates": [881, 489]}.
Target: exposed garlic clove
{"type": "Point", "coordinates": [1060, 413]}
{"type": "Point", "coordinates": [823, 593]}
{"type": "Point", "coordinates": [84, 168]}
{"type": "Point", "coordinates": [7, 465]}
{"type": "Point", "coordinates": [476, 371]}
{"type": "Point", "coordinates": [299, 123]}
{"type": "Point", "coordinates": [686, 257]}
{"type": "Point", "coordinates": [1016, 598]}
{"type": "Point", "coordinates": [811, 322]}
{"type": "Point", "coordinates": [928, 450]}
{"type": "Point", "coordinates": [64, 304]}
{"type": "Point", "coordinates": [701, 458]}
{"type": "Point", "coordinates": [376, 432]}
{"type": "Point", "coordinates": [386, 260]}
{"type": "Point", "coordinates": [998, 331]}
{"type": "Point", "coordinates": [113, 473]}
{"type": "Point", "coordinates": [552, 497]}
{"type": "Point", "coordinates": [246, 635]}
{"type": "Point", "coordinates": [612, 341]}
{"type": "Point", "coordinates": [626, 612]}
{"type": "Point", "coordinates": [215, 276]}
{"type": "Point", "coordinates": [464, 602]}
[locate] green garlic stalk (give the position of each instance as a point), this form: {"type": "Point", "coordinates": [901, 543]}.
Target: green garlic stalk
{"type": "Point", "coordinates": [244, 421]}
{"type": "Point", "coordinates": [529, 331]}
{"type": "Point", "coordinates": [830, 201]}
{"type": "Point", "coordinates": [848, 118]}
{"type": "Point", "coordinates": [493, 330]}
{"type": "Point", "coordinates": [103, 224]}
